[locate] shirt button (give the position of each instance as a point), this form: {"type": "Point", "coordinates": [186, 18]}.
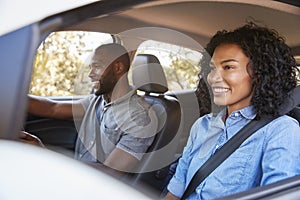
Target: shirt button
{"type": "Point", "coordinates": [236, 114]}
{"type": "Point", "coordinates": [91, 142]}
{"type": "Point", "coordinates": [80, 155]}
{"type": "Point", "coordinates": [198, 191]}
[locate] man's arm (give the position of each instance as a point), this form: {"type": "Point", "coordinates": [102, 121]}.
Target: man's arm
{"type": "Point", "coordinates": [170, 196]}
{"type": "Point", "coordinates": [44, 107]}
{"type": "Point", "coordinates": [121, 160]}
{"type": "Point", "coordinates": [117, 164]}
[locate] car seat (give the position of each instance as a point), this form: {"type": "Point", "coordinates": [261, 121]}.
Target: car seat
{"type": "Point", "coordinates": [148, 77]}
{"type": "Point", "coordinates": [294, 102]}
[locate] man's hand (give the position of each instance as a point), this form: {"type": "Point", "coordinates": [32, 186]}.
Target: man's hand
{"type": "Point", "coordinates": [30, 139]}
{"type": "Point", "coordinates": [121, 161]}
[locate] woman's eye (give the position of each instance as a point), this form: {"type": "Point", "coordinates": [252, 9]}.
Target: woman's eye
{"type": "Point", "coordinates": [226, 67]}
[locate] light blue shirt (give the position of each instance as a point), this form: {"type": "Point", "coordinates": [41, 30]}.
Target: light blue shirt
{"type": "Point", "coordinates": [269, 155]}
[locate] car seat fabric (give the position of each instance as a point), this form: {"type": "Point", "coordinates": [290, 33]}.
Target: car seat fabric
{"type": "Point", "coordinates": [148, 77]}
{"type": "Point", "coordinates": [294, 101]}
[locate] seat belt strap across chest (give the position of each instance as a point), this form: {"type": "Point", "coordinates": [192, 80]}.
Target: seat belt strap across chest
{"type": "Point", "coordinates": [225, 151]}
{"type": "Point", "coordinates": [229, 147]}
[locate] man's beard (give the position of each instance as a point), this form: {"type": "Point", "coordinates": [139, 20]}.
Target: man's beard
{"type": "Point", "coordinates": [101, 90]}
{"type": "Point", "coordinates": [106, 85]}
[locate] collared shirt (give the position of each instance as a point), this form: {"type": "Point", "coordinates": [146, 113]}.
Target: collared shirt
{"type": "Point", "coordinates": [269, 155]}
{"type": "Point", "coordinates": [127, 123]}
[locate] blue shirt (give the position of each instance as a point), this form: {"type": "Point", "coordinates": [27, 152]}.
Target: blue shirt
{"type": "Point", "coordinates": [269, 155]}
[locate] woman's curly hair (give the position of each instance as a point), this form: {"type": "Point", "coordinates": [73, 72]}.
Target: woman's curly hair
{"type": "Point", "coordinates": [274, 70]}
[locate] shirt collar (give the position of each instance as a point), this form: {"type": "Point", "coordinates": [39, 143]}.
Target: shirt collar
{"type": "Point", "coordinates": [217, 121]}
{"type": "Point", "coordinates": [125, 97]}
{"type": "Point", "coordinates": [247, 112]}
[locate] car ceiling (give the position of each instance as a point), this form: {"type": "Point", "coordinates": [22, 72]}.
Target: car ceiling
{"type": "Point", "coordinates": [201, 19]}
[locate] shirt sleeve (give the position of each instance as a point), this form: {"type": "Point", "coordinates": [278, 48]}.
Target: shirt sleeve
{"type": "Point", "coordinates": [140, 130]}
{"type": "Point", "coordinates": [281, 155]}
{"type": "Point", "coordinates": [178, 182]}
{"type": "Point", "coordinates": [86, 101]}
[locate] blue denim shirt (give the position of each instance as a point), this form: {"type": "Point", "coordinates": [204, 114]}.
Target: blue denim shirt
{"type": "Point", "coordinates": [269, 155]}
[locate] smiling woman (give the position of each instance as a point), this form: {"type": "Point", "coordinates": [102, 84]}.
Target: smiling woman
{"type": "Point", "coordinates": [241, 65]}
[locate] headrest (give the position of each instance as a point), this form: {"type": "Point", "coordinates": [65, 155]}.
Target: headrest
{"type": "Point", "coordinates": [292, 104]}
{"type": "Point", "coordinates": [148, 75]}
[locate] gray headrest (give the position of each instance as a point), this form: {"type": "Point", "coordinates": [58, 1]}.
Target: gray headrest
{"type": "Point", "coordinates": [148, 75]}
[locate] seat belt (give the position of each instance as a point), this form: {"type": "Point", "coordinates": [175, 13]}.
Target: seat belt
{"type": "Point", "coordinates": [225, 151]}
{"type": "Point", "coordinates": [229, 147]}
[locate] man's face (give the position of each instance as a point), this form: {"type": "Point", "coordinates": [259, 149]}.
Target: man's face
{"type": "Point", "coordinates": [102, 74]}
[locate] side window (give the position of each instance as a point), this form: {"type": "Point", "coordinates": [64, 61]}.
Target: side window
{"type": "Point", "coordinates": [179, 64]}
{"type": "Point", "coordinates": [60, 67]}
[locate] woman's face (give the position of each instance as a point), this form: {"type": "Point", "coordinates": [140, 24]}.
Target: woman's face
{"type": "Point", "coordinates": [229, 79]}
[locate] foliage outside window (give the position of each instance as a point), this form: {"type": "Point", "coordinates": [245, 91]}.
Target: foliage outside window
{"type": "Point", "coordinates": [60, 67]}
{"type": "Point", "coordinates": [179, 64]}
{"type": "Point", "coordinates": [60, 61]}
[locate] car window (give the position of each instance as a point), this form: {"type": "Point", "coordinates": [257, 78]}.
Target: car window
{"type": "Point", "coordinates": [60, 63]}
{"type": "Point", "coordinates": [180, 64]}
{"type": "Point", "coordinates": [60, 67]}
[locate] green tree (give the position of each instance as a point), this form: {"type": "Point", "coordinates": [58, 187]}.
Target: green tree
{"type": "Point", "coordinates": [60, 67]}
{"type": "Point", "coordinates": [182, 73]}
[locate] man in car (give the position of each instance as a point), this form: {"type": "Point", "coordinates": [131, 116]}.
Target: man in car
{"type": "Point", "coordinates": [115, 126]}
